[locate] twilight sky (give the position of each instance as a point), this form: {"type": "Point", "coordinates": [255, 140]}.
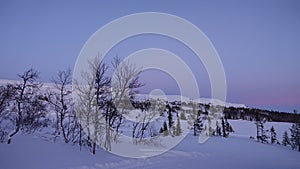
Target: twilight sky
{"type": "Point", "coordinates": [258, 43]}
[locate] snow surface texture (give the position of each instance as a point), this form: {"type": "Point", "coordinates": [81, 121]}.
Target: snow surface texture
{"type": "Point", "coordinates": [237, 151]}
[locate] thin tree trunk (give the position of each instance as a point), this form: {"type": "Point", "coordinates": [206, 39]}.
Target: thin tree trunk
{"type": "Point", "coordinates": [194, 129]}
{"type": "Point", "coordinates": [63, 128]}
{"type": "Point", "coordinates": [80, 136]}
{"type": "Point", "coordinates": [107, 139]}
{"type": "Point", "coordinates": [12, 134]}
{"type": "Point", "coordinates": [94, 148]}
{"type": "Point", "coordinates": [257, 131]}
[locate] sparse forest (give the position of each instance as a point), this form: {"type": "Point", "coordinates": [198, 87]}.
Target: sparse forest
{"type": "Point", "coordinates": [99, 115]}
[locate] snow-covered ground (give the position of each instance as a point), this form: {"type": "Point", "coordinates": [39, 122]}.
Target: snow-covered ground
{"type": "Point", "coordinates": [172, 98]}
{"type": "Point", "coordinates": [245, 129]}
{"type": "Point", "coordinates": [237, 151]}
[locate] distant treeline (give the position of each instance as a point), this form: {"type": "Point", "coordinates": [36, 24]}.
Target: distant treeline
{"type": "Point", "coordinates": [269, 115]}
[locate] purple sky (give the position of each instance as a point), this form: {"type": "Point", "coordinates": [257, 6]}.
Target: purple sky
{"type": "Point", "coordinates": [258, 43]}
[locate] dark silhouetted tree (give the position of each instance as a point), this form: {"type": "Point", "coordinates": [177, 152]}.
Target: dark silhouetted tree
{"type": "Point", "coordinates": [6, 94]}
{"type": "Point", "coordinates": [260, 131]}
{"type": "Point", "coordinates": [198, 124]}
{"type": "Point", "coordinates": [295, 136]}
{"type": "Point", "coordinates": [218, 129]}
{"type": "Point", "coordinates": [28, 111]}
{"type": "Point", "coordinates": [228, 128]}
{"type": "Point", "coordinates": [61, 100]}
{"type": "Point", "coordinates": [273, 135]}
{"type": "Point", "coordinates": [170, 116]}
{"type": "Point", "coordinates": [285, 139]}
{"type": "Point", "coordinates": [224, 129]}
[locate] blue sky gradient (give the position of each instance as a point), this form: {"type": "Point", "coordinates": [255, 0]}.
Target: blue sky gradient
{"type": "Point", "coordinates": [257, 41]}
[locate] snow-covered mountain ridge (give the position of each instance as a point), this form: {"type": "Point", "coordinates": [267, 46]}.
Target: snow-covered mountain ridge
{"type": "Point", "coordinates": [169, 98]}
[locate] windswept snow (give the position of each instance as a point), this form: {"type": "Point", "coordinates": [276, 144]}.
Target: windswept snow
{"type": "Point", "coordinates": [237, 151]}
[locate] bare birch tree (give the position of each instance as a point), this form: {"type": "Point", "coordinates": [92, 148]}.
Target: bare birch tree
{"type": "Point", "coordinates": [6, 94]}
{"type": "Point", "coordinates": [28, 112]}
{"type": "Point", "coordinates": [93, 98]}
{"type": "Point", "coordinates": [101, 100]}
{"type": "Point", "coordinates": [125, 82]}
{"type": "Point", "coordinates": [102, 89]}
{"type": "Point", "coordinates": [61, 101]}
{"type": "Point", "coordinates": [85, 106]}
{"type": "Point", "coordinates": [142, 128]}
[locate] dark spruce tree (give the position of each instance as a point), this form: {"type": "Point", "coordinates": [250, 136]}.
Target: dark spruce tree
{"type": "Point", "coordinates": [258, 126]}
{"type": "Point", "coordinates": [224, 129]}
{"type": "Point", "coordinates": [295, 136]}
{"type": "Point", "coordinates": [198, 124]}
{"type": "Point", "coordinates": [229, 128]}
{"type": "Point", "coordinates": [165, 129]}
{"type": "Point", "coordinates": [170, 116]}
{"type": "Point", "coordinates": [260, 131]}
{"type": "Point", "coordinates": [264, 137]}
{"type": "Point", "coordinates": [218, 129]}
{"type": "Point", "coordinates": [273, 135]}
{"type": "Point", "coordinates": [285, 139]}
{"type": "Point", "coordinates": [161, 130]}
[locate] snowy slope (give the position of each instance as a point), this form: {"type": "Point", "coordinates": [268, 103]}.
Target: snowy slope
{"type": "Point", "coordinates": [246, 129]}
{"type": "Point", "coordinates": [237, 151]}
{"type": "Point", "coordinates": [172, 98]}
{"type": "Point", "coordinates": [28, 152]}
{"type": "Point", "coordinates": [218, 102]}
{"type": "Point", "coordinates": [169, 98]}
